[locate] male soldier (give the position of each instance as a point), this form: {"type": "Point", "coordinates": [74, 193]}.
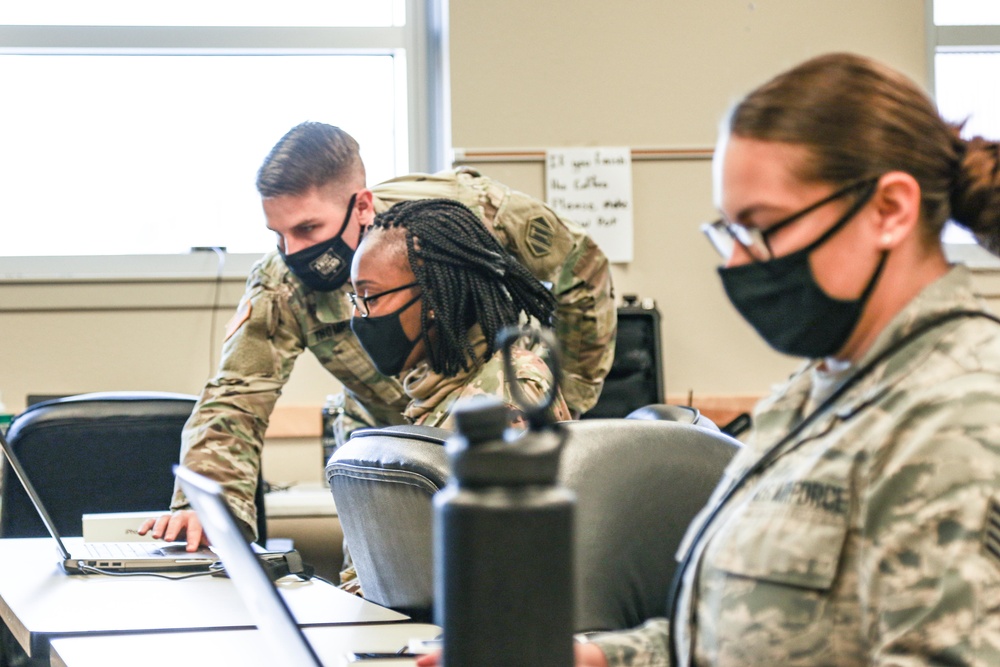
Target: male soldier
{"type": "Point", "coordinates": [316, 202]}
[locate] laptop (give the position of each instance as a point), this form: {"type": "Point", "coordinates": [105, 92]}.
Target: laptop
{"type": "Point", "coordinates": [267, 608]}
{"type": "Point", "coordinates": [111, 557]}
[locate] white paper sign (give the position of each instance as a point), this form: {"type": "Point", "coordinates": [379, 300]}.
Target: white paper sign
{"type": "Point", "coordinates": [592, 187]}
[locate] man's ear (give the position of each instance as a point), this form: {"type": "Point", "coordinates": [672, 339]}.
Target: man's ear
{"type": "Point", "coordinates": [364, 207]}
{"type": "Point", "coordinates": [897, 204]}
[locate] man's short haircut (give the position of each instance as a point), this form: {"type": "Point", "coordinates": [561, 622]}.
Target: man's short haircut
{"type": "Point", "coordinates": [310, 155]}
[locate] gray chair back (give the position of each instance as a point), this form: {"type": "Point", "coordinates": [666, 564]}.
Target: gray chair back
{"type": "Point", "coordinates": [382, 482]}
{"type": "Point", "coordinates": [638, 484]}
{"type": "Point", "coordinates": [685, 414]}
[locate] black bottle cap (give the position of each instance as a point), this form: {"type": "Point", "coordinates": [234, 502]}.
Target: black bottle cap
{"type": "Point", "coordinates": [481, 419]}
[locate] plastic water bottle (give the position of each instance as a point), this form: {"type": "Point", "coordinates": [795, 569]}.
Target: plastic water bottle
{"type": "Point", "coordinates": [503, 545]}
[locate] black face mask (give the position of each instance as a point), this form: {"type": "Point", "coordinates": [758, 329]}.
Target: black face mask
{"type": "Point", "coordinates": [782, 301]}
{"type": "Point", "coordinates": [384, 340]}
{"type": "Point", "coordinates": [325, 266]}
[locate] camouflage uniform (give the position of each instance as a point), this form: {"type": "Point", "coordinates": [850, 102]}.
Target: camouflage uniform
{"type": "Point", "coordinates": [874, 542]}
{"type": "Point", "coordinates": [436, 402]}
{"type": "Point", "coordinates": [278, 318]}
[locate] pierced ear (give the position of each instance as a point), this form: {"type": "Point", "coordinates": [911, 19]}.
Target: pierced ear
{"type": "Point", "coordinates": [897, 202]}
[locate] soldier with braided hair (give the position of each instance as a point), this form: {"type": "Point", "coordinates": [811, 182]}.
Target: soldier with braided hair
{"type": "Point", "coordinates": [432, 290]}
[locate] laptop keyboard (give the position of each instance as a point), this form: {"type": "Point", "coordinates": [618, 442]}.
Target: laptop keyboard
{"type": "Point", "coordinates": [121, 550]}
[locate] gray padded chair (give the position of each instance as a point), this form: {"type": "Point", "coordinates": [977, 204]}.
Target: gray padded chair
{"type": "Point", "coordinates": [382, 482]}
{"type": "Point", "coordinates": [638, 485]}
{"type": "Point", "coordinates": [684, 414]}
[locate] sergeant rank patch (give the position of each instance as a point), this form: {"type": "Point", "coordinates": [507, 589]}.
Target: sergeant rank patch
{"type": "Point", "coordinates": [991, 532]}
{"type": "Point", "coordinates": [538, 236]}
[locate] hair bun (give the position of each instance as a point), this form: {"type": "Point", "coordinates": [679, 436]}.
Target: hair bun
{"type": "Point", "coordinates": [975, 193]}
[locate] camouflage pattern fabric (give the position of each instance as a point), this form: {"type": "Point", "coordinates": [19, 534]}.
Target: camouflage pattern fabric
{"type": "Point", "coordinates": [436, 396]}
{"type": "Point", "coordinates": [279, 318]}
{"type": "Point", "coordinates": [875, 538]}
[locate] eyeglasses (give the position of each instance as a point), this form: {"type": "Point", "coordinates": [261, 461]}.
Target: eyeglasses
{"type": "Point", "coordinates": [725, 235]}
{"type": "Point", "coordinates": [363, 303]}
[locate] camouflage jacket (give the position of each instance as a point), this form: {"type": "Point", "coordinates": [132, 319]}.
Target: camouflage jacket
{"type": "Point", "coordinates": [278, 318]}
{"type": "Point", "coordinates": [434, 396]}
{"type": "Point", "coordinates": [874, 538]}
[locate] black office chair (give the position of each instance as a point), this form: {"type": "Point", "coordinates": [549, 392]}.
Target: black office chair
{"type": "Point", "coordinates": [638, 485]}
{"type": "Point", "coordinates": [93, 453]}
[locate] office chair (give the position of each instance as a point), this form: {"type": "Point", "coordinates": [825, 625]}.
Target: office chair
{"type": "Point", "coordinates": [684, 414]}
{"type": "Point", "coordinates": [638, 484]}
{"type": "Point", "coordinates": [382, 482]}
{"type": "Point", "coordinates": [93, 453]}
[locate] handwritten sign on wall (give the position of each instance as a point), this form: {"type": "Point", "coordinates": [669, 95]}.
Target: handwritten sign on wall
{"type": "Point", "coordinates": [592, 187]}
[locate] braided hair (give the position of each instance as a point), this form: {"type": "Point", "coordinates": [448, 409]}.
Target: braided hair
{"type": "Point", "coordinates": [466, 277]}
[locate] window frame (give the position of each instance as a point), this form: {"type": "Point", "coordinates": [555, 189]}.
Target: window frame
{"type": "Point", "coordinates": [959, 38]}
{"type": "Point", "coordinates": [420, 46]}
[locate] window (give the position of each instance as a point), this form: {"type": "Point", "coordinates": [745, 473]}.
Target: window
{"type": "Point", "coordinates": [965, 44]}
{"type": "Point", "coordinates": [129, 131]}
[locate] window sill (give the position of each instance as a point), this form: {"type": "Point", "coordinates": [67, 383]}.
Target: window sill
{"type": "Point", "coordinates": [197, 265]}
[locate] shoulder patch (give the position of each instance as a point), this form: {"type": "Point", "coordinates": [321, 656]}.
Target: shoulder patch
{"type": "Point", "coordinates": [991, 532]}
{"type": "Point", "coordinates": [538, 236]}
{"type": "Point", "coordinates": [241, 315]}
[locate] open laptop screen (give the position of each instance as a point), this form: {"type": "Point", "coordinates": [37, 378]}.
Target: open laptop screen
{"type": "Point", "coordinates": [268, 609]}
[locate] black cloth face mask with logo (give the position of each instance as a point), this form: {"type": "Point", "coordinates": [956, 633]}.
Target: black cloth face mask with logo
{"type": "Point", "coordinates": [781, 299]}
{"type": "Point", "coordinates": [325, 266]}
{"type": "Point", "coordinates": [384, 340]}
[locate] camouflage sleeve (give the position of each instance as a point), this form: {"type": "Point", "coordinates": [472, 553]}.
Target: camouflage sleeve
{"type": "Point", "coordinates": [929, 574]}
{"type": "Point", "coordinates": [535, 381]}
{"type": "Point", "coordinates": [558, 252]}
{"type": "Point", "coordinates": [645, 646]}
{"type": "Point", "coordinates": [224, 436]}
{"type": "Point", "coordinates": [354, 412]}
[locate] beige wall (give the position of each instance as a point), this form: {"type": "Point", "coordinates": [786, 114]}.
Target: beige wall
{"type": "Point", "coordinates": [660, 74]}
{"type": "Point", "coordinates": [525, 73]}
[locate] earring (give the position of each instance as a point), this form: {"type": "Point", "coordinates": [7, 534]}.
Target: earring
{"type": "Point", "coordinates": [887, 239]}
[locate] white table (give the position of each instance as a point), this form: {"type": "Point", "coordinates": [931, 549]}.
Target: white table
{"type": "Point", "coordinates": [38, 601]}
{"type": "Point", "coordinates": [232, 647]}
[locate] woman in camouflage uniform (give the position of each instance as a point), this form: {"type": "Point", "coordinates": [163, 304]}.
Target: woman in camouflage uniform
{"type": "Point", "coordinates": [860, 525]}
{"type": "Point", "coordinates": [432, 289]}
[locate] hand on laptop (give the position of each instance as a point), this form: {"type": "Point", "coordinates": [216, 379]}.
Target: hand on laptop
{"type": "Point", "coordinates": [182, 524]}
